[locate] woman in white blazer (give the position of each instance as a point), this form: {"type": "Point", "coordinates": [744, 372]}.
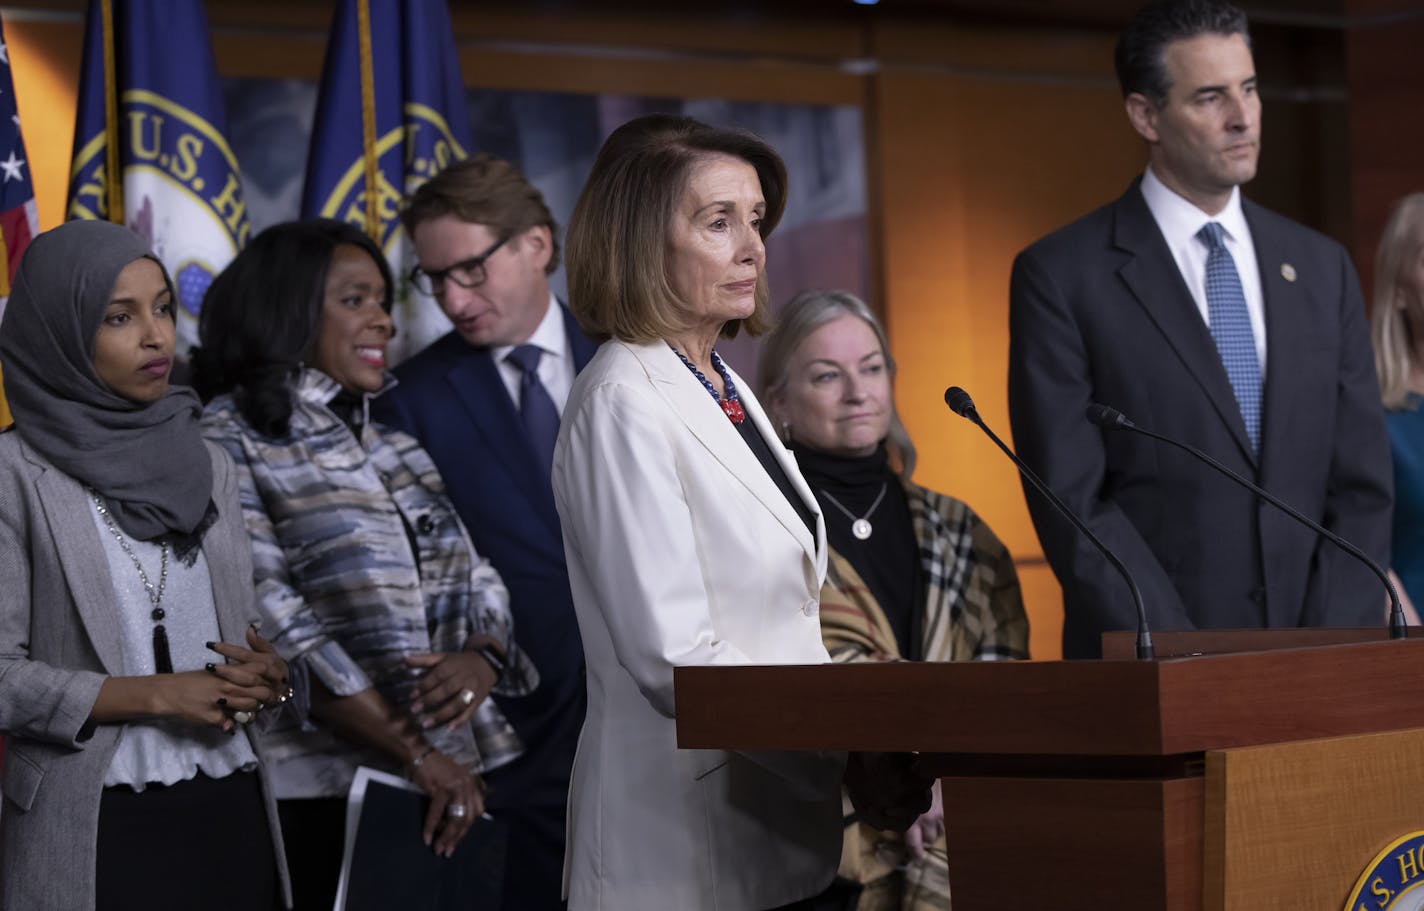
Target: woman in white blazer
{"type": "Point", "coordinates": [129, 672]}
{"type": "Point", "coordinates": [691, 537]}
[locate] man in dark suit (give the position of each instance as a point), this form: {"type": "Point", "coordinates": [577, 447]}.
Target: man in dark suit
{"type": "Point", "coordinates": [485, 400]}
{"type": "Point", "coordinates": [1246, 339]}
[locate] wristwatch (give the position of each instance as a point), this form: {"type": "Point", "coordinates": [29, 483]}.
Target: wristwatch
{"type": "Point", "coordinates": [495, 659]}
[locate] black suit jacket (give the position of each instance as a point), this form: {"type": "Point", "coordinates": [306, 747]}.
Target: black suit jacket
{"type": "Point", "coordinates": [450, 398]}
{"type": "Point", "coordinates": [1099, 312]}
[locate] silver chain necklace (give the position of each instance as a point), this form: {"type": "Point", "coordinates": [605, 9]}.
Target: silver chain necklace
{"type": "Point", "coordinates": [162, 660]}
{"type": "Point", "coordinates": [860, 525]}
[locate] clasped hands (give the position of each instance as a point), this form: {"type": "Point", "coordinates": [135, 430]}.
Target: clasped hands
{"type": "Point", "coordinates": [457, 799]}
{"type": "Point", "coordinates": [453, 685]}
{"type": "Point", "coordinates": [890, 792]}
{"type": "Point", "coordinates": [451, 689]}
{"type": "Point", "coordinates": [225, 694]}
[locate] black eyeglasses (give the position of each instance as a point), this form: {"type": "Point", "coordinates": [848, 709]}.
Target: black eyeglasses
{"type": "Point", "coordinates": [468, 273]}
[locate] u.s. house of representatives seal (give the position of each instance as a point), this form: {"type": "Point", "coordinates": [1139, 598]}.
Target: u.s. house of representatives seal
{"type": "Point", "coordinates": [1394, 880]}
{"type": "Point", "coordinates": [181, 194]}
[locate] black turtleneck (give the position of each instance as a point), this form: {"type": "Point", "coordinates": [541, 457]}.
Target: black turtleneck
{"type": "Point", "coordinates": [348, 406]}
{"type": "Point", "coordinates": [888, 560]}
{"type": "Point", "coordinates": [762, 450]}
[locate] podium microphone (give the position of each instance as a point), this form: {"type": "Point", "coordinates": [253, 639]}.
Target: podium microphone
{"type": "Point", "coordinates": [961, 404]}
{"type": "Point", "coordinates": [1112, 419]}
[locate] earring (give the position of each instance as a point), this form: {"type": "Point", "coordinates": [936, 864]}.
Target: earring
{"type": "Point", "coordinates": [786, 431]}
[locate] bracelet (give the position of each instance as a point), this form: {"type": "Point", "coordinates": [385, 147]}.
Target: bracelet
{"type": "Point", "coordinates": [495, 659]}
{"type": "Point", "coordinates": [420, 759]}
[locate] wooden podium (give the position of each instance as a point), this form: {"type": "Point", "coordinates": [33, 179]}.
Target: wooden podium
{"type": "Point", "coordinates": [1221, 779]}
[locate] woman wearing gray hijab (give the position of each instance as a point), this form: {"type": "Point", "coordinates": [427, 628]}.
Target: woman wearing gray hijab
{"type": "Point", "coordinates": [129, 671]}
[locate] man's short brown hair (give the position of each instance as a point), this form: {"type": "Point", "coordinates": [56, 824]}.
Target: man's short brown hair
{"type": "Point", "coordinates": [618, 235]}
{"type": "Point", "coordinates": [483, 190]}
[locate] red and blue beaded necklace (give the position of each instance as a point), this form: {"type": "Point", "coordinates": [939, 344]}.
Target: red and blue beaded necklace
{"type": "Point", "coordinates": [731, 405]}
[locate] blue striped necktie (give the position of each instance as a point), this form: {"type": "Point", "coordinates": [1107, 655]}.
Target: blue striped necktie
{"type": "Point", "coordinates": [1231, 329]}
{"type": "Point", "coordinates": [536, 408]}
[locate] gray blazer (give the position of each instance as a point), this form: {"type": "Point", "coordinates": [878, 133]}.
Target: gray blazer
{"type": "Point", "coordinates": [58, 640]}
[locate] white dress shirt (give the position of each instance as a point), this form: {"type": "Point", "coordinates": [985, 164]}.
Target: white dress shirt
{"type": "Point", "coordinates": [556, 367]}
{"type": "Point", "coordinates": [1179, 221]}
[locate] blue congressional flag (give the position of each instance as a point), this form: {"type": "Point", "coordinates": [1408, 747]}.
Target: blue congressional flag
{"type": "Point", "coordinates": [390, 114]}
{"type": "Point", "coordinates": [150, 108]}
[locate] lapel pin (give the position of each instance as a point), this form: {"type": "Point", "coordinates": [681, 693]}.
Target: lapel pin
{"type": "Point", "coordinates": [1288, 272]}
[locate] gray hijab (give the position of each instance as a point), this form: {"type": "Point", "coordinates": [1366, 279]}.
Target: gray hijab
{"type": "Point", "coordinates": [147, 460]}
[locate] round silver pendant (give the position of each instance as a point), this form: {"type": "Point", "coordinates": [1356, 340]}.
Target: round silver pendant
{"type": "Point", "coordinates": [861, 529]}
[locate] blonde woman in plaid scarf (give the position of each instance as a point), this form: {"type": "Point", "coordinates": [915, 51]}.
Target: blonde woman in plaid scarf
{"type": "Point", "coordinates": [913, 574]}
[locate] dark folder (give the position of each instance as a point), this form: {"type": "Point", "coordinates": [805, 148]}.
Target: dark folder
{"type": "Point", "coordinates": [389, 865]}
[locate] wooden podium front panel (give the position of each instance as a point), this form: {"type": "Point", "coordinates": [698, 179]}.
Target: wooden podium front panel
{"type": "Point", "coordinates": [1065, 708]}
{"type": "Point", "coordinates": [1074, 843]}
{"type": "Point", "coordinates": [1294, 825]}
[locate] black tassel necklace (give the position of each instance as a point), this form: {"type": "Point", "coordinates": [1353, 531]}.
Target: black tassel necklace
{"type": "Point", "coordinates": [162, 660]}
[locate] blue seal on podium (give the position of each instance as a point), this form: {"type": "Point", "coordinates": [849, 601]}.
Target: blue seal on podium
{"type": "Point", "coordinates": [1394, 880]}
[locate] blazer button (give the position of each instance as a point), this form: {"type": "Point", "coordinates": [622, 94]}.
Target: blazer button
{"type": "Point", "coordinates": [811, 608]}
{"type": "Point", "coordinates": [425, 525]}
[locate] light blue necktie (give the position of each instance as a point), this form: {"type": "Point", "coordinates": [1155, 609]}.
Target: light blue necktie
{"type": "Point", "coordinates": [1231, 329]}
{"type": "Point", "coordinates": [536, 408]}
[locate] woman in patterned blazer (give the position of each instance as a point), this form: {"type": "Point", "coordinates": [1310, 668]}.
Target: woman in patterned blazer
{"type": "Point", "coordinates": [395, 629]}
{"type": "Point", "coordinates": [912, 574]}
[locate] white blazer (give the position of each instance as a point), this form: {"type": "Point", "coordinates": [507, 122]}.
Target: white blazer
{"type": "Point", "coordinates": [682, 551]}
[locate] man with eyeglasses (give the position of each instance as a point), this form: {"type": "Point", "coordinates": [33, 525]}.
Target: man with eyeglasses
{"type": "Point", "coordinates": [484, 401]}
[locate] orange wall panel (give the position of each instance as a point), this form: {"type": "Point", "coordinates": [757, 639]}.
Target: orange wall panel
{"type": "Point", "coordinates": [44, 57]}
{"type": "Point", "coordinates": [972, 170]}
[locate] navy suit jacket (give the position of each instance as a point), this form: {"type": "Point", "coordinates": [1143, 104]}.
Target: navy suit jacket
{"type": "Point", "coordinates": [1099, 312]}
{"type": "Point", "coordinates": [450, 398]}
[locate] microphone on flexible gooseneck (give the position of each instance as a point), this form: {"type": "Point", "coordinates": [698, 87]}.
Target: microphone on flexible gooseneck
{"type": "Point", "coordinates": [961, 404]}
{"type": "Point", "coordinates": [1112, 419]}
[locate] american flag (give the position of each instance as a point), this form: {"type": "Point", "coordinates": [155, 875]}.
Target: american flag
{"type": "Point", "coordinates": [18, 220]}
